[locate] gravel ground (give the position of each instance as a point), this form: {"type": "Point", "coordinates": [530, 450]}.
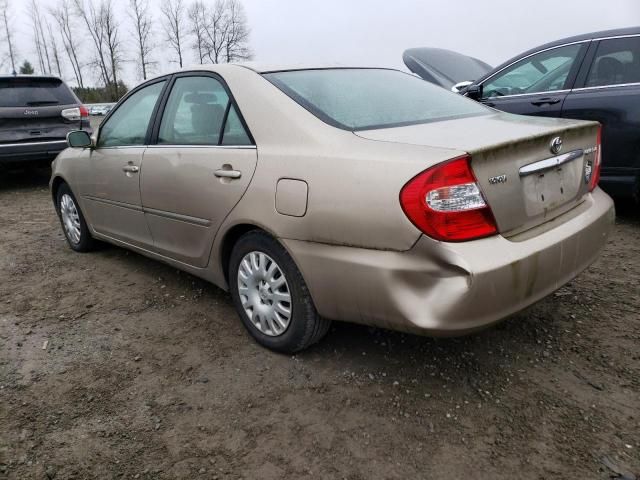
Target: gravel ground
{"type": "Point", "coordinates": [116, 366]}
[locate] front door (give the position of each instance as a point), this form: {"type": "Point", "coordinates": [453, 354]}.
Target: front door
{"type": "Point", "coordinates": [197, 170]}
{"type": "Point", "coordinates": [113, 196]}
{"type": "Point", "coordinates": [536, 85]}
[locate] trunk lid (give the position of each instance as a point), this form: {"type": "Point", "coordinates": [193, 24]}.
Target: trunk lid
{"type": "Point", "coordinates": [31, 109]}
{"type": "Point", "coordinates": [522, 180]}
{"type": "Point", "coordinates": [34, 124]}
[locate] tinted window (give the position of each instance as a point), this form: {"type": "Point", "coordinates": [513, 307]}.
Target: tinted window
{"type": "Point", "coordinates": [617, 61]}
{"type": "Point", "coordinates": [34, 92]}
{"type": "Point", "coordinates": [194, 113]}
{"type": "Point", "coordinates": [357, 99]}
{"type": "Point", "coordinates": [128, 124]}
{"type": "Point", "coordinates": [543, 72]}
{"type": "Point", "coordinates": [234, 132]}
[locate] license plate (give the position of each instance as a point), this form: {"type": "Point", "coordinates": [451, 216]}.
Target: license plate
{"type": "Point", "coordinates": [550, 189]}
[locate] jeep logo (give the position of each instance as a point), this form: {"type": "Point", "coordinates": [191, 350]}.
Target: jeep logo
{"type": "Point", "coordinates": [31, 112]}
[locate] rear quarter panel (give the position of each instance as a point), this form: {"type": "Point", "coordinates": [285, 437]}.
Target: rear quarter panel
{"type": "Point", "coordinates": [353, 183]}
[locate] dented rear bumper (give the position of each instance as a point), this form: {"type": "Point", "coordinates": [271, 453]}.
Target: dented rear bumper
{"type": "Point", "coordinates": [439, 288]}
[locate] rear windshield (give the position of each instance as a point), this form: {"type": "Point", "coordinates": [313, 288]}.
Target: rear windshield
{"type": "Point", "coordinates": [362, 99]}
{"type": "Point", "coordinates": [34, 92]}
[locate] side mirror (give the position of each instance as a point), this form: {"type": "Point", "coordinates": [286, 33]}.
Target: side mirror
{"type": "Point", "coordinates": [79, 139]}
{"type": "Point", "coordinates": [474, 92]}
{"type": "Point", "coordinates": [459, 87]}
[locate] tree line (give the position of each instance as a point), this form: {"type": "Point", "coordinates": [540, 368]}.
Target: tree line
{"type": "Point", "coordinates": [94, 40]}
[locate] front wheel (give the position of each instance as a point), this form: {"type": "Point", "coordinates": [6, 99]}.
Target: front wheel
{"type": "Point", "coordinates": [271, 296]}
{"type": "Point", "coordinates": [73, 223]}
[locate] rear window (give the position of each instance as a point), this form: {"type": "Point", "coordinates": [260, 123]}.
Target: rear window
{"type": "Point", "coordinates": [34, 92]}
{"type": "Point", "coordinates": [362, 99]}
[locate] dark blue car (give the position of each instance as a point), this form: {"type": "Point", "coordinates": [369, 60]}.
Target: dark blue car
{"type": "Point", "coordinates": [594, 76]}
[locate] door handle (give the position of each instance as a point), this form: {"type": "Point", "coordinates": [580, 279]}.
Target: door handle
{"type": "Point", "coordinates": [545, 101]}
{"type": "Point", "coordinates": [223, 173]}
{"type": "Point", "coordinates": [131, 169]}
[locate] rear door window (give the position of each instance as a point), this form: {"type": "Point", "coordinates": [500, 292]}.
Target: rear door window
{"type": "Point", "coordinates": [34, 92]}
{"type": "Point", "coordinates": [196, 110]}
{"type": "Point", "coordinates": [194, 113]}
{"type": "Point", "coordinates": [234, 132]}
{"type": "Point", "coordinates": [617, 62]}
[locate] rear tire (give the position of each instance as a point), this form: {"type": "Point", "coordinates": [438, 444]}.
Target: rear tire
{"type": "Point", "coordinates": [271, 296]}
{"type": "Point", "coordinates": [72, 221]}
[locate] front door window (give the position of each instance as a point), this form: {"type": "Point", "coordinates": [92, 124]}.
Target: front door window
{"type": "Point", "coordinates": [546, 71]}
{"type": "Point", "coordinates": [128, 124]}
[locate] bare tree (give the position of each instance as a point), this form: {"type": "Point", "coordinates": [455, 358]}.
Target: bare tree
{"type": "Point", "coordinates": [62, 15]}
{"type": "Point", "coordinates": [54, 49]}
{"type": "Point", "coordinates": [236, 46]}
{"type": "Point", "coordinates": [225, 33]}
{"type": "Point", "coordinates": [8, 34]}
{"type": "Point", "coordinates": [92, 18]}
{"type": "Point", "coordinates": [197, 15]}
{"type": "Point", "coordinates": [113, 44]}
{"type": "Point", "coordinates": [215, 28]}
{"type": "Point", "coordinates": [142, 25]}
{"type": "Point", "coordinates": [42, 48]}
{"type": "Point", "coordinates": [174, 26]}
{"type": "Point", "coordinates": [103, 29]}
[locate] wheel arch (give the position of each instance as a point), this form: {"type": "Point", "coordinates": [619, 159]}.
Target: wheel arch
{"type": "Point", "coordinates": [56, 182]}
{"type": "Point", "coordinates": [232, 235]}
{"type": "Point", "coordinates": [229, 239]}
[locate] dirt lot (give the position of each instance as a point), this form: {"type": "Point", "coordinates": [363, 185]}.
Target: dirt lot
{"type": "Point", "coordinates": [115, 366]}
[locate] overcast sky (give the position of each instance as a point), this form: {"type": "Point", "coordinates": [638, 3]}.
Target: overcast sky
{"type": "Point", "coordinates": [376, 32]}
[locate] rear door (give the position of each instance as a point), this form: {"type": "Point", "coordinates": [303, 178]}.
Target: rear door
{"type": "Point", "coordinates": [113, 197]}
{"type": "Point", "coordinates": [537, 84]}
{"type": "Point", "coordinates": [608, 90]}
{"type": "Point", "coordinates": [199, 168]}
{"type": "Point", "coordinates": [31, 110]}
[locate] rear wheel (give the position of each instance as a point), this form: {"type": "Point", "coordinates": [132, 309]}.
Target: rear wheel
{"type": "Point", "coordinates": [271, 296]}
{"type": "Point", "coordinates": [73, 224]}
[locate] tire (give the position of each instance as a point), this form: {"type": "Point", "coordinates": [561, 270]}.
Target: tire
{"type": "Point", "coordinates": [260, 295]}
{"type": "Point", "coordinates": [72, 221]}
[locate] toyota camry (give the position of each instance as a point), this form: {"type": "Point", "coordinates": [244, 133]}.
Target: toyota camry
{"type": "Point", "coordinates": [355, 194]}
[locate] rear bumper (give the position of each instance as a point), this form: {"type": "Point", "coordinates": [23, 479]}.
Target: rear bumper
{"type": "Point", "coordinates": [451, 289]}
{"type": "Point", "coordinates": [31, 151]}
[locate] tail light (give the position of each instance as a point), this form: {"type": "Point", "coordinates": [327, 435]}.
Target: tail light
{"type": "Point", "coordinates": [597, 162]}
{"type": "Point", "coordinates": [445, 202]}
{"type": "Point", "coordinates": [75, 113]}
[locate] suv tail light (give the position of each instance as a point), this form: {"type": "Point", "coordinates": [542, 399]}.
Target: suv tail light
{"type": "Point", "coordinates": [597, 162]}
{"type": "Point", "coordinates": [445, 202]}
{"type": "Point", "coordinates": [75, 113]}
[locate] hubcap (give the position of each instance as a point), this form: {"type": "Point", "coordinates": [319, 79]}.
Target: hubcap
{"type": "Point", "coordinates": [264, 293]}
{"type": "Point", "coordinates": [70, 218]}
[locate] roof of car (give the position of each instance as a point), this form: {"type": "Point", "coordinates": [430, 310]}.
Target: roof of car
{"type": "Point", "coordinates": [620, 32]}
{"type": "Point", "coordinates": [285, 67]}
{"type": "Point", "coordinates": [39, 77]}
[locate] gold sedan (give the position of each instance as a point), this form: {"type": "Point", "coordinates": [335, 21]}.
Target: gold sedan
{"type": "Point", "coordinates": [356, 194]}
